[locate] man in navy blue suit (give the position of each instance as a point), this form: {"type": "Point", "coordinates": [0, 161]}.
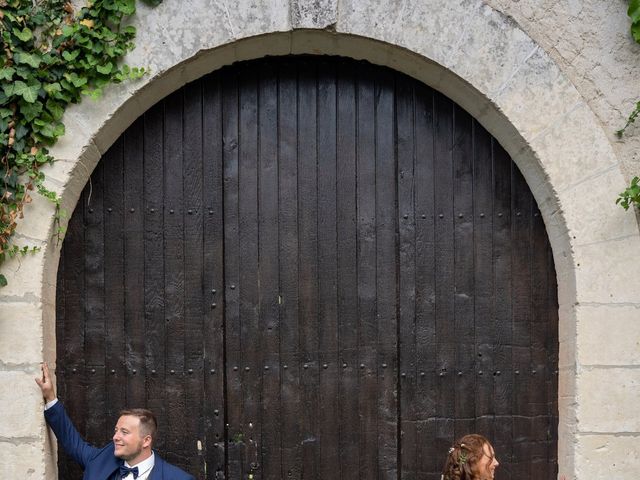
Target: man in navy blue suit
{"type": "Point", "coordinates": [128, 457]}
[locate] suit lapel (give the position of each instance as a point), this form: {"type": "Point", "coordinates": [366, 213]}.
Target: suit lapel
{"type": "Point", "coordinates": [156, 471]}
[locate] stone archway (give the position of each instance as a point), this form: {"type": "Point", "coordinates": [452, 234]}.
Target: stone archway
{"type": "Point", "coordinates": [316, 266]}
{"type": "Point", "coordinates": [481, 60]}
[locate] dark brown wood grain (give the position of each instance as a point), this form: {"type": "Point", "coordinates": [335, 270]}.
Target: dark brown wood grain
{"type": "Point", "coordinates": [311, 267]}
{"type": "Point", "coordinates": [270, 438]}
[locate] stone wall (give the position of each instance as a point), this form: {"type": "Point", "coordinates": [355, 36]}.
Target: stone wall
{"type": "Point", "coordinates": [551, 80]}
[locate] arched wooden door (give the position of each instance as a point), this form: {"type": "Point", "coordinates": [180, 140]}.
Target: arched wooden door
{"type": "Point", "coordinates": [313, 268]}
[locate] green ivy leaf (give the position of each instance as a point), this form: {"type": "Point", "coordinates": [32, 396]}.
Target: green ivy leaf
{"type": "Point", "coordinates": [28, 92]}
{"type": "Point", "coordinates": [127, 7]}
{"type": "Point", "coordinates": [129, 30]}
{"type": "Point", "coordinates": [27, 58]}
{"type": "Point", "coordinates": [21, 131]}
{"type": "Point", "coordinates": [634, 14]}
{"type": "Point", "coordinates": [52, 88]}
{"type": "Point", "coordinates": [25, 35]}
{"type": "Point", "coordinates": [7, 73]}
{"type": "Point", "coordinates": [31, 110]}
{"type": "Point", "coordinates": [76, 80]}
{"type": "Point", "coordinates": [3, 280]}
{"type": "Point", "coordinates": [70, 56]}
{"type": "Point", "coordinates": [105, 69]}
{"type": "Point", "coordinates": [23, 71]}
{"type": "Point", "coordinates": [69, 30]}
{"type": "Point", "coordinates": [56, 109]}
{"type": "Point", "coordinates": [634, 10]}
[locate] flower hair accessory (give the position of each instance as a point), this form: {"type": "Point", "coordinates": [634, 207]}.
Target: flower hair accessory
{"type": "Point", "coordinates": [451, 449]}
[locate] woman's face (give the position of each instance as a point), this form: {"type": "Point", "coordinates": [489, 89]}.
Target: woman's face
{"type": "Point", "coordinates": [485, 468]}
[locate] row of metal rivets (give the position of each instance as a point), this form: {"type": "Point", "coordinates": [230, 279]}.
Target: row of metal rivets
{"type": "Point", "coordinates": [405, 216]}
{"type": "Point", "coordinates": [461, 215]}
{"type": "Point", "coordinates": [324, 366]}
{"type": "Point", "coordinates": [153, 210]}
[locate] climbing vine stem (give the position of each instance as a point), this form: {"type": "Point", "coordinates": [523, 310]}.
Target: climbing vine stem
{"type": "Point", "coordinates": [53, 56]}
{"type": "Point", "coordinates": [631, 195]}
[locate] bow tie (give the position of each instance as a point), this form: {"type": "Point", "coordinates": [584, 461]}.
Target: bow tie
{"type": "Point", "coordinates": [124, 471]}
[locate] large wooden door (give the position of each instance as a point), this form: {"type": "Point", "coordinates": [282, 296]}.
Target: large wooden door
{"type": "Point", "coordinates": [311, 268]}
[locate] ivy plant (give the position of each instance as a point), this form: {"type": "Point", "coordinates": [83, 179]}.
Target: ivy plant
{"type": "Point", "coordinates": [53, 57]}
{"type": "Point", "coordinates": [634, 13]}
{"type": "Point", "coordinates": [631, 196]}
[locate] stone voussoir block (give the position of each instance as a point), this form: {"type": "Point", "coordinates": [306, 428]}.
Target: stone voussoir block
{"type": "Point", "coordinates": [20, 333]}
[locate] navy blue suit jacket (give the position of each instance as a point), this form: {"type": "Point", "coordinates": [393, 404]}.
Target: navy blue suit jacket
{"type": "Point", "coordinates": [99, 463]}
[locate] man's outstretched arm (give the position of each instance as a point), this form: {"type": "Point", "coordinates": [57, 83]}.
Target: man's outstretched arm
{"type": "Point", "coordinates": [57, 418]}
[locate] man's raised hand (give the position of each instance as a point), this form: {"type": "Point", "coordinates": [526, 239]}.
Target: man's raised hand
{"type": "Point", "coordinates": [45, 384]}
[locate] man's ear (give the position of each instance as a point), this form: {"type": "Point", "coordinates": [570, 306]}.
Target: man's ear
{"type": "Point", "coordinates": [146, 441]}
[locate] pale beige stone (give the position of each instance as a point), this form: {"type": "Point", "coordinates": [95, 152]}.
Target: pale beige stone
{"type": "Point", "coordinates": [604, 457]}
{"type": "Point", "coordinates": [20, 333]}
{"type": "Point", "coordinates": [313, 13]}
{"type": "Point", "coordinates": [609, 335]}
{"type": "Point", "coordinates": [431, 28]}
{"type": "Point", "coordinates": [536, 96]}
{"type": "Point", "coordinates": [24, 276]}
{"type": "Point", "coordinates": [592, 202]}
{"type": "Point", "coordinates": [605, 271]}
{"type": "Point", "coordinates": [24, 461]}
{"type": "Point", "coordinates": [573, 149]}
{"type": "Point", "coordinates": [606, 399]}
{"type": "Point", "coordinates": [21, 400]}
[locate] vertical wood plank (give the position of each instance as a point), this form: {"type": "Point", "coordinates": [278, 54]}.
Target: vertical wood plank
{"type": "Point", "coordinates": [328, 393]}
{"type": "Point", "coordinates": [521, 216]}
{"type": "Point", "coordinates": [366, 240]}
{"type": "Point", "coordinates": [444, 270]}
{"type": "Point", "coordinates": [483, 279]}
{"type": "Point", "coordinates": [407, 218]}
{"type": "Point", "coordinates": [427, 366]}
{"type": "Point", "coordinates": [114, 279]}
{"type": "Point", "coordinates": [233, 360]}
{"type": "Point", "coordinates": [289, 270]}
{"type": "Point", "coordinates": [193, 432]}
{"type": "Point", "coordinates": [134, 265]}
{"type": "Point", "coordinates": [248, 260]}
{"type": "Point", "coordinates": [270, 438]}
{"type": "Point", "coordinates": [174, 277]}
{"type": "Point", "coordinates": [154, 298]}
{"type": "Point", "coordinates": [308, 266]}
{"type": "Point", "coordinates": [213, 279]}
{"type": "Point", "coordinates": [94, 351]}
{"type": "Point", "coordinates": [347, 270]}
{"type": "Point", "coordinates": [552, 360]}
{"type": "Point", "coordinates": [70, 365]}
{"type": "Point", "coordinates": [502, 351]}
{"type": "Point", "coordinates": [386, 212]}
{"type": "Point", "coordinates": [464, 329]}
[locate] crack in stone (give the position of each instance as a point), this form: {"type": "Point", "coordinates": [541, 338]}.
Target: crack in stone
{"type": "Point", "coordinates": [228, 15]}
{"type": "Point", "coordinates": [19, 441]}
{"type": "Point", "coordinates": [506, 83]}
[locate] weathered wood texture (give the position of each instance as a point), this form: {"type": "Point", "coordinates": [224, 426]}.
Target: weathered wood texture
{"type": "Point", "coordinates": [311, 268]}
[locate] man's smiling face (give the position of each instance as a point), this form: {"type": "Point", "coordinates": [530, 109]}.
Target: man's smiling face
{"type": "Point", "coordinates": [129, 443]}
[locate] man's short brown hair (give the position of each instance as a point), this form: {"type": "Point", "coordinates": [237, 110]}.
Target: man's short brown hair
{"type": "Point", "coordinates": [148, 422]}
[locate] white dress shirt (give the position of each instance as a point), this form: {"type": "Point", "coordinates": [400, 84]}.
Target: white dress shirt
{"type": "Point", "coordinates": [144, 468]}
